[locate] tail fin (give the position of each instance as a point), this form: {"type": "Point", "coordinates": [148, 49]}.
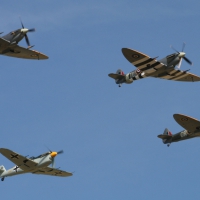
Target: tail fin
{"type": "Point", "coordinates": [119, 71]}
{"type": "Point", "coordinates": [119, 76]}
{"type": "Point", "coordinates": [2, 169]}
{"type": "Point", "coordinates": [167, 135]}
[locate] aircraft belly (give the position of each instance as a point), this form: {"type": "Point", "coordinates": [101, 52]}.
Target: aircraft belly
{"type": "Point", "coordinates": [44, 164]}
{"type": "Point", "coordinates": [12, 172]}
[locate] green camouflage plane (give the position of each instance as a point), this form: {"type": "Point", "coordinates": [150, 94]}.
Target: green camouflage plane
{"type": "Point", "coordinates": [150, 67]}
{"type": "Point", "coordinates": [191, 126]}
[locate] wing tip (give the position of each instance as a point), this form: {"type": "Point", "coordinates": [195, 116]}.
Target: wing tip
{"type": "Point", "coordinates": [126, 50]}
{"type": "Point", "coordinates": [176, 115]}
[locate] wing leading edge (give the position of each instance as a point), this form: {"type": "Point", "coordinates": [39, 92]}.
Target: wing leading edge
{"type": "Point", "coordinates": [142, 61]}
{"type": "Point", "coordinates": [176, 75]}
{"type": "Point", "coordinates": [21, 52]}
{"type": "Point", "coordinates": [19, 160]}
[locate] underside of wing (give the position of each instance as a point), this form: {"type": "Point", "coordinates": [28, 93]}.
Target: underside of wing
{"type": "Point", "coordinates": [21, 161]}
{"type": "Point", "coordinates": [188, 123]}
{"type": "Point", "coordinates": [175, 75]}
{"type": "Point", "coordinates": [4, 42]}
{"type": "Point", "coordinates": [52, 172]}
{"type": "Point", "coordinates": [21, 52]}
{"type": "Point", "coordinates": [116, 76]}
{"type": "Point", "coordinates": [142, 61]}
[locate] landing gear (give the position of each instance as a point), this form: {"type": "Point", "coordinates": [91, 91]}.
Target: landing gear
{"type": "Point", "coordinates": [120, 85]}
{"type": "Point", "coordinates": [2, 179]}
{"type": "Point", "coordinates": [168, 145]}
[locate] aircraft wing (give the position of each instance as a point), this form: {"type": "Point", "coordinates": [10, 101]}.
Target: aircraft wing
{"type": "Point", "coordinates": [21, 161]}
{"type": "Point", "coordinates": [21, 52]}
{"type": "Point", "coordinates": [176, 75]}
{"type": "Point", "coordinates": [52, 172]}
{"type": "Point", "coordinates": [4, 42]}
{"type": "Point", "coordinates": [142, 61]}
{"type": "Point", "coordinates": [188, 123]}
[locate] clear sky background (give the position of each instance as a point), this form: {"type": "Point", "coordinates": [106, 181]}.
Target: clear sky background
{"type": "Point", "coordinates": [108, 134]}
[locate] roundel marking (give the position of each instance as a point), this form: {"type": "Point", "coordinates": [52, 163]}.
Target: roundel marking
{"type": "Point", "coordinates": [135, 56]}
{"type": "Point", "coordinates": [184, 119]}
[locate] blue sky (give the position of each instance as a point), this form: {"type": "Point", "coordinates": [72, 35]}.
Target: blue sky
{"type": "Point", "coordinates": [108, 134]}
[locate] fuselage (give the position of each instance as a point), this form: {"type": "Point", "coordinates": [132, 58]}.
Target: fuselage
{"type": "Point", "coordinates": [183, 135]}
{"type": "Point", "coordinates": [169, 62]}
{"type": "Point", "coordinates": [41, 162]}
{"type": "Point", "coordinates": [15, 36]}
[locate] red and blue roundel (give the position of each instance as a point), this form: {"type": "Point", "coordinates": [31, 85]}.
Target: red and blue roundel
{"type": "Point", "coordinates": [169, 133]}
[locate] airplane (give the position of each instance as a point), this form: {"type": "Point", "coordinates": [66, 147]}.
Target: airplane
{"type": "Point", "coordinates": [151, 67]}
{"type": "Point", "coordinates": [9, 45]}
{"type": "Point", "coordinates": [34, 165]}
{"type": "Point", "coordinates": [191, 126]}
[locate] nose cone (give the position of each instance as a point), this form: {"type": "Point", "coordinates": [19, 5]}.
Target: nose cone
{"type": "Point", "coordinates": [24, 30]}
{"type": "Point", "coordinates": [181, 54]}
{"type": "Point", "coordinates": [53, 154]}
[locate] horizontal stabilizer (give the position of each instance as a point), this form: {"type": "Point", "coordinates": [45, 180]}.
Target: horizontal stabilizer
{"type": "Point", "coordinates": [165, 136]}
{"type": "Point", "coordinates": [116, 76]}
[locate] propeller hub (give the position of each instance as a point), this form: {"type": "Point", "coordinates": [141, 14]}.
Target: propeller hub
{"type": "Point", "coordinates": [24, 30]}
{"type": "Point", "coordinates": [181, 54]}
{"type": "Point", "coordinates": [53, 154]}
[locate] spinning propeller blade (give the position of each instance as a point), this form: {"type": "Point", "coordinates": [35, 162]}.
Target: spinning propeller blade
{"type": "Point", "coordinates": [27, 30]}
{"type": "Point", "coordinates": [183, 46]}
{"type": "Point", "coordinates": [21, 22]}
{"type": "Point", "coordinates": [174, 49]}
{"type": "Point", "coordinates": [53, 155]}
{"type": "Point", "coordinates": [182, 55]}
{"type": "Point", "coordinates": [179, 64]}
{"type": "Point", "coordinates": [60, 152]}
{"type": "Point", "coordinates": [187, 60]}
{"type": "Point", "coordinates": [27, 40]}
{"type": "Point", "coordinates": [53, 163]}
{"type": "Point", "coordinates": [31, 30]}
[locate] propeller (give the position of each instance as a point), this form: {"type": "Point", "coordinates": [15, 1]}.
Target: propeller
{"type": "Point", "coordinates": [53, 155]}
{"type": "Point", "coordinates": [182, 55]}
{"type": "Point", "coordinates": [25, 31]}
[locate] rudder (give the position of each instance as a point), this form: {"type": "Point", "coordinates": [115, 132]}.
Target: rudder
{"type": "Point", "coordinates": [166, 135]}
{"type": "Point", "coordinates": [2, 169]}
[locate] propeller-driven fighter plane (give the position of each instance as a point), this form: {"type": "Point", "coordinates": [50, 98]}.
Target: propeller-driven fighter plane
{"type": "Point", "coordinates": [150, 67]}
{"type": "Point", "coordinates": [34, 165]}
{"type": "Point", "coordinates": [191, 126]}
{"type": "Point", "coordinates": [9, 47]}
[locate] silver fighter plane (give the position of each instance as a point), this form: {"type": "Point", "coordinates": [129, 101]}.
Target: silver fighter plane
{"type": "Point", "coordinates": [34, 165]}
{"type": "Point", "coordinates": [151, 67]}
{"type": "Point", "coordinates": [191, 126]}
